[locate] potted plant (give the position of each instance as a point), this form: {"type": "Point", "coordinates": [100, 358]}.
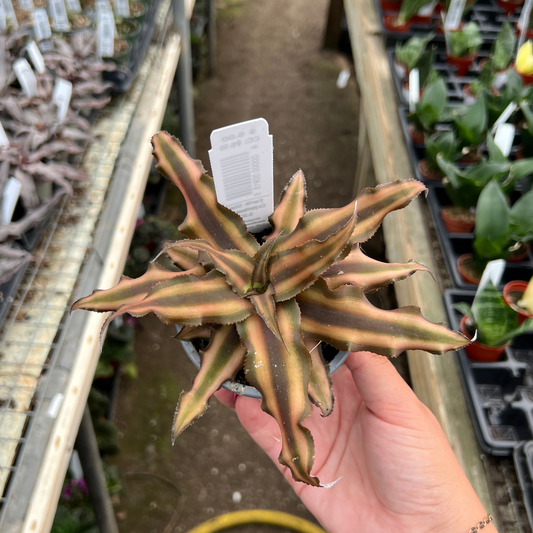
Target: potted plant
{"type": "Point", "coordinates": [407, 55]}
{"type": "Point", "coordinates": [519, 296]}
{"type": "Point", "coordinates": [403, 21]}
{"type": "Point", "coordinates": [513, 91]}
{"type": "Point", "coordinates": [444, 143]}
{"type": "Point", "coordinates": [524, 62]}
{"type": "Point", "coordinates": [500, 231]}
{"type": "Point", "coordinates": [268, 304]}
{"type": "Point", "coordinates": [502, 54]}
{"type": "Point", "coordinates": [480, 85]}
{"type": "Point", "coordinates": [495, 322]}
{"type": "Point", "coordinates": [462, 47]}
{"type": "Point", "coordinates": [471, 127]}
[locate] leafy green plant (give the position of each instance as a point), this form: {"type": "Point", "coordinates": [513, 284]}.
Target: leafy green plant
{"type": "Point", "coordinates": [444, 143]}
{"type": "Point", "coordinates": [496, 323]}
{"type": "Point", "coordinates": [432, 107]}
{"type": "Point", "coordinates": [106, 431]}
{"type": "Point", "coordinates": [483, 83]}
{"type": "Point", "coordinates": [504, 47]}
{"type": "Point", "coordinates": [409, 53]}
{"type": "Point", "coordinates": [465, 41]}
{"type": "Point", "coordinates": [472, 125]}
{"type": "Point", "coordinates": [409, 9]}
{"type": "Point", "coordinates": [268, 304]}
{"type": "Point", "coordinates": [498, 227]}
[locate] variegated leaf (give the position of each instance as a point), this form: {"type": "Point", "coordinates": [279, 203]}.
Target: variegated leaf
{"type": "Point", "coordinates": [320, 385]}
{"type": "Point", "coordinates": [373, 204]}
{"type": "Point", "coordinates": [291, 206]}
{"type": "Point", "coordinates": [282, 377]}
{"type": "Point", "coordinates": [206, 218]}
{"type": "Point", "coordinates": [347, 320]}
{"type": "Point", "coordinates": [291, 271]}
{"type": "Point", "coordinates": [222, 359]}
{"type": "Point", "coordinates": [266, 308]}
{"type": "Point", "coordinates": [192, 301]}
{"type": "Point", "coordinates": [234, 264]}
{"type": "Point", "coordinates": [260, 277]}
{"type": "Point", "coordinates": [182, 257]}
{"type": "Point", "coordinates": [129, 291]}
{"type": "Point", "coordinates": [188, 333]}
{"type": "Point", "coordinates": [360, 270]}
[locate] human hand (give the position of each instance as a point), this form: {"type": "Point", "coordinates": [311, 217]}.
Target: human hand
{"type": "Point", "coordinates": [399, 473]}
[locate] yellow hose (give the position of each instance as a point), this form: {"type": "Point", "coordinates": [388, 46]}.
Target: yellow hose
{"type": "Point", "coordinates": [257, 516]}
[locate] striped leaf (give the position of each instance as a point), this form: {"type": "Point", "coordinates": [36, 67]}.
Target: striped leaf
{"type": "Point", "coordinates": [291, 206]}
{"type": "Point", "coordinates": [235, 265]}
{"type": "Point", "coordinates": [282, 377]}
{"type": "Point", "coordinates": [266, 308]}
{"type": "Point", "coordinates": [320, 385]}
{"type": "Point", "coordinates": [260, 277]}
{"type": "Point", "coordinates": [206, 218]}
{"type": "Point", "coordinates": [360, 270]}
{"type": "Point", "coordinates": [188, 333]}
{"type": "Point", "coordinates": [222, 359]}
{"type": "Point", "coordinates": [374, 203]}
{"type": "Point", "coordinates": [347, 320]}
{"type": "Point", "coordinates": [192, 301]}
{"type": "Point", "coordinates": [291, 271]}
{"type": "Point", "coordinates": [129, 291]}
{"type": "Point", "coordinates": [184, 258]}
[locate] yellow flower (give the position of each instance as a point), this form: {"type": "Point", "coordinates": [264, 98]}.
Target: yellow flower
{"type": "Point", "coordinates": [527, 299]}
{"type": "Point", "coordinates": [524, 58]}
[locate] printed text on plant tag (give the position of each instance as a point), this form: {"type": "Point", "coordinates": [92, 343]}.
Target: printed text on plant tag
{"type": "Point", "coordinates": [59, 15]}
{"type": "Point", "coordinates": [26, 77]}
{"type": "Point", "coordinates": [106, 33]}
{"type": "Point", "coordinates": [41, 25]}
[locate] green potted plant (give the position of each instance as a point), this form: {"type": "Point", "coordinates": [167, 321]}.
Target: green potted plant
{"type": "Point", "coordinates": [471, 127]}
{"type": "Point", "coordinates": [519, 296]}
{"type": "Point", "coordinates": [403, 21]}
{"type": "Point", "coordinates": [495, 322]}
{"type": "Point", "coordinates": [407, 55]}
{"type": "Point", "coordinates": [463, 46]}
{"type": "Point", "coordinates": [502, 54]}
{"type": "Point", "coordinates": [444, 143]}
{"type": "Point", "coordinates": [268, 304]}
{"type": "Point", "coordinates": [480, 85]}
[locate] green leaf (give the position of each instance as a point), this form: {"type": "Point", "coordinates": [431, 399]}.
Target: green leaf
{"type": "Point", "coordinates": [360, 270]}
{"type": "Point", "coordinates": [221, 361]}
{"type": "Point", "coordinates": [282, 378]}
{"type": "Point", "coordinates": [495, 153]}
{"type": "Point", "coordinates": [466, 41]}
{"type": "Point", "coordinates": [345, 319]}
{"type": "Point", "coordinates": [525, 327]}
{"type": "Point", "coordinates": [409, 53]}
{"type": "Point", "coordinates": [465, 310]}
{"type": "Point", "coordinates": [504, 47]}
{"type": "Point", "coordinates": [472, 126]}
{"type": "Point", "coordinates": [492, 213]}
{"type": "Point", "coordinates": [206, 218]}
{"type": "Point", "coordinates": [521, 214]}
{"type": "Point", "coordinates": [432, 104]}
{"type": "Point", "coordinates": [444, 143]}
{"type": "Point", "coordinates": [410, 8]}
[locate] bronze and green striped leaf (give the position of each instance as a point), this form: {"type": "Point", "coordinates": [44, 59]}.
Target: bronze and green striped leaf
{"type": "Point", "coordinates": [222, 359]}
{"type": "Point", "coordinates": [188, 333]}
{"type": "Point", "coordinates": [360, 270]}
{"type": "Point", "coordinates": [282, 376]}
{"type": "Point", "coordinates": [265, 307]}
{"type": "Point", "coordinates": [320, 386]}
{"type": "Point", "coordinates": [345, 319]}
{"type": "Point", "coordinates": [206, 218]}
{"type": "Point", "coordinates": [129, 291]}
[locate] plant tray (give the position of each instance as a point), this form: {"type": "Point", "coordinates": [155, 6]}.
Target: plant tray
{"type": "Point", "coordinates": [500, 394]}
{"type": "Point", "coordinates": [8, 291]}
{"type": "Point", "coordinates": [523, 461]}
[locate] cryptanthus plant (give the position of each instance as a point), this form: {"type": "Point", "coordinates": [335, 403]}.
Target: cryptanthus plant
{"type": "Point", "coordinates": [266, 305]}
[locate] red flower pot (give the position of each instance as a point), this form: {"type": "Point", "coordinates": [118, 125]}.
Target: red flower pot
{"type": "Point", "coordinates": [417, 19]}
{"type": "Point", "coordinates": [416, 135]}
{"type": "Point", "coordinates": [427, 173]}
{"type": "Point", "coordinates": [454, 224]}
{"type": "Point", "coordinates": [518, 30]}
{"type": "Point", "coordinates": [391, 5]}
{"type": "Point", "coordinates": [521, 255]}
{"type": "Point", "coordinates": [480, 352]}
{"type": "Point", "coordinates": [527, 79]}
{"type": "Point", "coordinates": [468, 276]}
{"type": "Point", "coordinates": [509, 6]}
{"type": "Point", "coordinates": [391, 23]}
{"type": "Point", "coordinates": [512, 293]}
{"type": "Point", "coordinates": [462, 64]}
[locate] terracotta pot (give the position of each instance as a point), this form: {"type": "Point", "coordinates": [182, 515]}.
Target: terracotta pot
{"type": "Point", "coordinates": [481, 352]}
{"type": "Point", "coordinates": [391, 23]}
{"type": "Point", "coordinates": [527, 79]}
{"type": "Point", "coordinates": [467, 276]}
{"type": "Point", "coordinates": [455, 224]}
{"type": "Point", "coordinates": [425, 21]}
{"type": "Point", "coordinates": [462, 64]}
{"type": "Point", "coordinates": [391, 5]}
{"type": "Point", "coordinates": [427, 173]}
{"type": "Point", "coordinates": [416, 135]}
{"type": "Point", "coordinates": [512, 293]}
{"type": "Point", "coordinates": [522, 254]}
{"type": "Point", "coordinates": [509, 6]}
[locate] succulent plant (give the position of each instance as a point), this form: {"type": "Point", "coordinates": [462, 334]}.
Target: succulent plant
{"type": "Point", "coordinates": [268, 304]}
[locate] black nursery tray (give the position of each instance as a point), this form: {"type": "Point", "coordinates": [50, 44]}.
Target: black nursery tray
{"type": "Point", "coordinates": [523, 461]}
{"type": "Point", "coordinates": [499, 394]}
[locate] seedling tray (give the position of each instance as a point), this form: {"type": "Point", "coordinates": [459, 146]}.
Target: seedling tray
{"type": "Point", "coordinates": [499, 394]}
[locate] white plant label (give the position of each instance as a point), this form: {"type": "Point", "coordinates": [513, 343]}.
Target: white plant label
{"type": "Point", "coordinates": [427, 11]}
{"type": "Point", "coordinates": [61, 98]}
{"type": "Point", "coordinates": [59, 15]}
{"type": "Point", "coordinates": [4, 141]}
{"type": "Point", "coordinates": [9, 13]}
{"type": "Point", "coordinates": [41, 25]}
{"type": "Point", "coordinates": [493, 272]}
{"type": "Point", "coordinates": [505, 116]}
{"type": "Point", "coordinates": [26, 77]}
{"type": "Point", "coordinates": [26, 5]}
{"type": "Point", "coordinates": [243, 169]}
{"type": "Point", "coordinates": [106, 33]}
{"type": "Point", "coordinates": [122, 8]}
{"type": "Point", "coordinates": [504, 138]}
{"type": "Point", "coordinates": [342, 79]}
{"type": "Point", "coordinates": [36, 57]}
{"type": "Point", "coordinates": [414, 89]}
{"type": "Point", "coordinates": [10, 199]}
{"type": "Point", "coordinates": [73, 6]}
{"type": "Point", "coordinates": [455, 13]}
{"type": "Point", "coordinates": [523, 22]}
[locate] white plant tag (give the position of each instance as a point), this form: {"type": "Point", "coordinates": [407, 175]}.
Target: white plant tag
{"type": "Point", "coordinates": [427, 11]}
{"type": "Point", "coordinates": [4, 141]}
{"type": "Point", "coordinates": [73, 6]}
{"type": "Point", "coordinates": [494, 272]}
{"type": "Point", "coordinates": [455, 13]}
{"type": "Point", "coordinates": [122, 8]}
{"type": "Point", "coordinates": [59, 15]}
{"type": "Point", "coordinates": [26, 77]}
{"type": "Point", "coordinates": [243, 169]}
{"type": "Point", "coordinates": [505, 116]}
{"type": "Point", "coordinates": [75, 468]}
{"type": "Point", "coordinates": [342, 79]}
{"type": "Point", "coordinates": [504, 138]}
{"type": "Point", "coordinates": [414, 89]}
{"type": "Point", "coordinates": [26, 5]}
{"type": "Point", "coordinates": [9, 13]}
{"type": "Point", "coordinates": [41, 25]}
{"type": "Point", "coordinates": [523, 22]}
{"type": "Point", "coordinates": [106, 33]}
{"type": "Point", "coordinates": [10, 199]}
{"type": "Point", "coordinates": [36, 57]}
{"type": "Point", "coordinates": [61, 98]}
